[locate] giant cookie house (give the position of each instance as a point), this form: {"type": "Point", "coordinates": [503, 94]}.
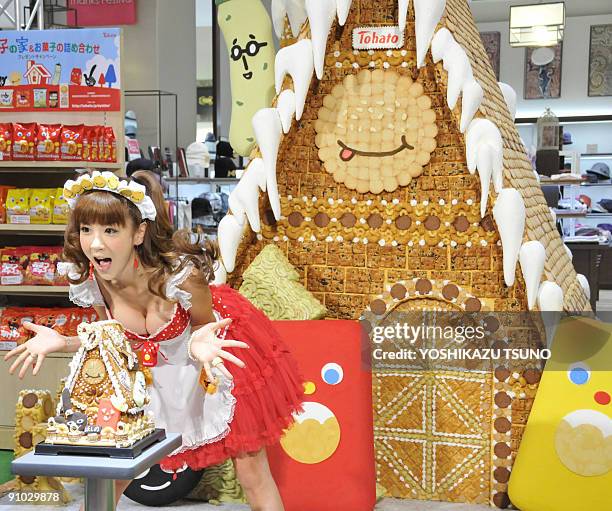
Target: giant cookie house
{"type": "Point", "coordinates": [393, 178]}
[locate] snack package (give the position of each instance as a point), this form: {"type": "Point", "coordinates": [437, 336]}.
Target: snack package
{"type": "Point", "coordinates": [24, 140]}
{"type": "Point", "coordinates": [3, 192]}
{"type": "Point", "coordinates": [48, 142]}
{"type": "Point", "coordinates": [6, 141]}
{"type": "Point", "coordinates": [56, 318]}
{"type": "Point", "coordinates": [11, 325]}
{"type": "Point", "coordinates": [61, 210]}
{"type": "Point", "coordinates": [41, 266]}
{"type": "Point", "coordinates": [18, 206]}
{"type": "Point", "coordinates": [12, 269]}
{"type": "Point", "coordinates": [94, 142]}
{"type": "Point", "coordinates": [110, 145]}
{"type": "Point", "coordinates": [72, 143]}
{"type": "Point", "coordinates": [41, 205]}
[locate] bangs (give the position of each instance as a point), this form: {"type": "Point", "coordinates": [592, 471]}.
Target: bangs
{"type": "Point", "coordinates": [103, 208]}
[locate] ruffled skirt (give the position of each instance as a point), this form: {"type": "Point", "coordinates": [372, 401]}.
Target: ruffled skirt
{"type": "Point", "coordinates": [268, 390]}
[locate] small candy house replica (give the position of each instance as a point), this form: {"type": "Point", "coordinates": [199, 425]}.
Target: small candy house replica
{"type": "Point", "coordinates": [395, 180]}
{"type": "Point", "coordinates": [103, 401]}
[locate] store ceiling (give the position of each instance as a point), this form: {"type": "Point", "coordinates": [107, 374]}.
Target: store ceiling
{"type": "Point", "coordinates": [499, 10]}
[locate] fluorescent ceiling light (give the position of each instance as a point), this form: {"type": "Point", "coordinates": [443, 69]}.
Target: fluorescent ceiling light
{"type": "Point", "coordinates": [537, 25]}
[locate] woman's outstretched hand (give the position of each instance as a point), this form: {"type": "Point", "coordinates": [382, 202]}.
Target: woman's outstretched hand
{"type": "Point", "coordinates": [205, 347]}
{"type": "Point", "coordinates": [33, 352]}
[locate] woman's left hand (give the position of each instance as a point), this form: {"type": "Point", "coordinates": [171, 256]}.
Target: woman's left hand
{"type": "Point", "coordinates": [205, 346]}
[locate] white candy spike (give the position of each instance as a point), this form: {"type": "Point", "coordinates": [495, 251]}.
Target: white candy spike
{"type": "Point", "coordinates": [550, 297]}
{"type": "Point", "coordinates": [402, 10]}
{"type": "Point", "coordinates": [297, 61]}
{"type": "Point", "coordinates": [268, 129]}
{"type": "Point", "coordinates": [569, 252]}
{"type": "Point", "coordinates": [258, 168]}
{"type": "Point", "coordinates": [297, 15]}
{"type": "Point", "coordinates": [470, 102]}
{"type": "Point", "coordinates": [479, 132]}
{"type": "Point", "coordinates": [229, 234]}
{"type": "Point", "coordinates": [484, 163]}
{"type": "Point", "coordinates": [244, 199]}
{"type": "Point", "coordinates": [285, 104]}
{"type": "Point", "coordinates": [321, 14]}
{"type": "Point", "coordinates": [427, 14]}
{"type": "Point", "coordinates": [279, 12]}
{"type": "Point", "coordinates": [510, 98]}
{"type": "Point", "coordinates": [585, 285]}
{"type": "Point", "coordinates": [532, 257]}
{"type": "Point", "coordinates": [440, 44]}
{"type": "Point", "coordinates": [509, 215]}
{"type": "Point", "coordinates": [220, 274]}
{"type": "Point", "coordinates": [457, 63]}
{"type": "Point", "coordinates": [343, 7]}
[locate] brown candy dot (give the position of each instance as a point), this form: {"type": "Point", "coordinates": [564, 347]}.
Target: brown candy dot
{"type": "Point", "coordinates": [375, 221]}
{"type": "Point", "coordinates": [268, 217]}
{"type": "Point", "coordinates": [491, 324]}
{"type": "Point", "coordinates": [502, 374]}
{"type": "Point", "coordinates": [503, 400]}
{"type": "Point", "coordinates": [321, 219]}
{"type": "Point", "coordinates": [461, 224]}
{"type": "Point", "coordinates": [348, 220]}
{"type": "Point", "coordinates": [502, 425]}
{"type": "Point", "coordinates": [403, 223]}
{"type": "Point", "coordinates": [295, 219]}
{"type": "Point", "coordinates": [25, 440]}
{"type": "Point", "coordinates": [472, 305]}
{"type": "Point", "coordinates": [27, 479]}
{"type": "Point", "coordinates": [502, 450]}
{"type": "Point", "coordinates": [423, 286]}
{"type": "Point", "coordinates": [487, 223]}
{"type": "Point", "coordinates": [29, 400]}
{"type": "Point", "coordinates": [432, 223]}
{"type": "Point", "coordinates": [378, 307]}
{"type": "Point", "coordinates": [531, 376]}
{"type": "Point", "coordinates": [501, 500]}
{"type": "Point", "coordinates": [501, 474]}
{"type": "Point", "coordinates": [450, 292]}
{"type": "Point", "coordinates": [398, 291]}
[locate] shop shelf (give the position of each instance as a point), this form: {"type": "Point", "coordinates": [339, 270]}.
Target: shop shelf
{"type": "Point", "coordinates": [29, 229]}
{"type": "Point", "coordinates": [40, 165]}
{"type": "Point", "coordinates": [34, 290]}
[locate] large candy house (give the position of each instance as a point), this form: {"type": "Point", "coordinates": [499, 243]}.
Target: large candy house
{"type": "Point", "coordinates": [390, 174]}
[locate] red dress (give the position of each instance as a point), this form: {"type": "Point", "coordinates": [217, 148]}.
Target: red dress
{"type": "Point", "coordinates": [267, 391]}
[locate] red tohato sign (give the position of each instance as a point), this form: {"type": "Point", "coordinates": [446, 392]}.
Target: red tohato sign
{"type": "Point", "coordinates": [99, 13]}
{"type": "Point", "coordinates": [377, 38]}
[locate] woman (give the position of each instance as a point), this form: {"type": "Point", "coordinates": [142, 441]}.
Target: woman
{"type": "Point", "coordinates": [130, 266]}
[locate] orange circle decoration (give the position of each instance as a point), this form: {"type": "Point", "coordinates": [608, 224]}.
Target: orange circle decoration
{"type": "Point", "coordinates": [376, 131]}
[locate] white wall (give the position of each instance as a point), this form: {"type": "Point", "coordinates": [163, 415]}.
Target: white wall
{"type": "Point", "coordinates": [574, 98]}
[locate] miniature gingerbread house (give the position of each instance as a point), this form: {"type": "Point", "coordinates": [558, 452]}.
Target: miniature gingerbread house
{"type": "Point", "coordinates": [394, 180]}
{"type": "Point", "coordinates": [103, 401]}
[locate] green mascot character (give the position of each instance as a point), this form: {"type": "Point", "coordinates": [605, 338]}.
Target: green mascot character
{"type": "Point", "coordinates": [247, 30]}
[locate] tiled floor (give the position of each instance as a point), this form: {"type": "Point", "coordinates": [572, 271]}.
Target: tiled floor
{"type": "Point", "coordinates": [127, 505]}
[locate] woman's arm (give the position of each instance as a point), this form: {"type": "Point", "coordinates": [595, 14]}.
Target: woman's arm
{"type": "Point", "coordinates": [201, 302]}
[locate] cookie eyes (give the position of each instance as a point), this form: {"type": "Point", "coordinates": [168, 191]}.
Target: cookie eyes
{"type": "Point", "coordinates": [579, 373]}
{"type": "Point", "coordinates": [332, 373]}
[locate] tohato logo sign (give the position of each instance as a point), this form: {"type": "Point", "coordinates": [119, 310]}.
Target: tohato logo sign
{"type": "Point", "coordinates": [378, 38]}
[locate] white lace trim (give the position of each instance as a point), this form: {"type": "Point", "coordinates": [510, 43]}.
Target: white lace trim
{"type": "Point", "coordinates": [174, 292]}
{"type": "Point", "coordinates": [86, 294]}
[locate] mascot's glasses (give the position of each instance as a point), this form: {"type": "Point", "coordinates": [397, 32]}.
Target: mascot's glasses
{"type": "Point", "coordinates": [251, 49]}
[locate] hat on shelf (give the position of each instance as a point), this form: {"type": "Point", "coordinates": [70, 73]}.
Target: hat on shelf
{"type": "Point", "coordinates": [567, 138]}
{"type": "Point", "coordinates": [600, 170]}
{"type": "Point", "coordinates": [197, 154]}
{"type": "Point", "coordinates": [606, 204]}
{"type": "Point", "coordinates": [585, 199]}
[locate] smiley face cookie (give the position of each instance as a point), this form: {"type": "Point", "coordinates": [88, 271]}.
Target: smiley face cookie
{"type": "Point", "coordinates": [376, 131]}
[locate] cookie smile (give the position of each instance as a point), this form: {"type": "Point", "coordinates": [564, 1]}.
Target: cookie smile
{"type": "Point", "coordinates": [348, 153]}
{"type": "Point", "coordinates": [248, 75]}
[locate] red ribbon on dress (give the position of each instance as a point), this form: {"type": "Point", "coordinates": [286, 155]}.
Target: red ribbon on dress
{"type": "Point", "coordinates": [148, 355]}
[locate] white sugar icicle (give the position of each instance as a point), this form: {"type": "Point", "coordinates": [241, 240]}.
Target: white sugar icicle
{"type": "Point", "coordinates": [427, 14]}
{"type": "Point", "coordinates": [244, 199]}
{"type": "Point", "coordinates": [229, 234]}
{"type": "Point", "coordinates": [470, 102]}
{"type": "Point", "coordinates": [532, 257]}
{"type": "Point", "coordinates": [457, 63]}
{"type": "Point", "coordinates": [321, 14]}
{"type": "Point", "coordinates": [285, 104]}
{"type": "Point", "coordinates": [402, 10]}
{"type": "Point", "coordinates": [509, 215]}
{"type": "Point", "coordinates": [297, 15]}
{"type": "Point", "coordinates": [585, 285]}
{"type": "Point", "coordinates": [484, 163]}
{"type": "Point", "coordinates": [295, 60]}
{"type": "Point", "coordinates": [550, 297]}
{"type": "Point", "coordinates": [440, 43]}
{"type": "Point", "coordinates": [480, 132]}
{"type": "Point", "coordinates": [268, 130]}
{"type": "Point", "coordinates": [509, 97]}
{"type": "Point", "coordinates": [220, 274]}
{"type": "Point", "coordinates": [279, 13]}
{"type": "Point", "coordinates": [343, 7]}
{"type": "Point", "coordinates": [258, 169]}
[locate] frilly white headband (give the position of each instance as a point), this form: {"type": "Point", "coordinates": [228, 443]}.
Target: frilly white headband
{"type": "Point", "coordinates": [134, 192]}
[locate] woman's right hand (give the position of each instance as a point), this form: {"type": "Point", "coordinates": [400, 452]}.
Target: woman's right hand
{"type": "Point", "coordinates": [33, 352]}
